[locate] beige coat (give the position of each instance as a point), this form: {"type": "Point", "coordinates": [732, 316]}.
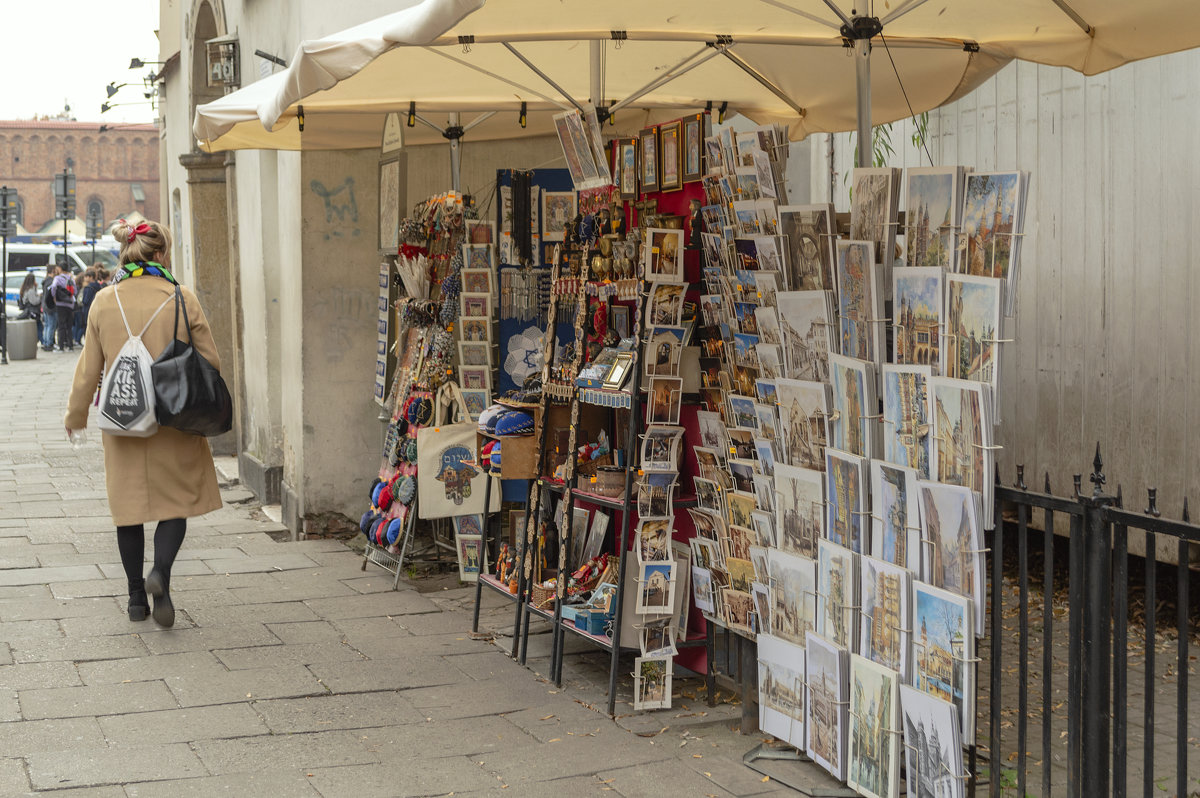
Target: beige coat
{"type": "Point", "coordinates": [171, 473]}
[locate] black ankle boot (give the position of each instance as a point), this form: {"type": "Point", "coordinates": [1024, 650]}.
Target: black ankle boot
{"type": "Point", "coordinates": [164, 610]}
{"type": "Point", "coordinates": [139, 605]}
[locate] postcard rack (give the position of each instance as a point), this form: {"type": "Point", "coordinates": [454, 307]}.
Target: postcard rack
{"type": "Point", "coordinates": [532, 470]}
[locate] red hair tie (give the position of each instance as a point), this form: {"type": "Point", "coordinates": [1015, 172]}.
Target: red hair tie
{"type": "Point", "coordinates": [141, 228]}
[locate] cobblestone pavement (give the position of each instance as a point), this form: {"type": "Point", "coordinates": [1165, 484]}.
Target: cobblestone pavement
{"type": "Point", "coordinates": [290, 671]}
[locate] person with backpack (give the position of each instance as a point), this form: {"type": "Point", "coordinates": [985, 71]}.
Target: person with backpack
{"type": "Point", "coordinates": [63, 291]}
{"type": "Point", "coordinates": [48, 314]}
{"type": "Point", "coordinates": [167, 476]}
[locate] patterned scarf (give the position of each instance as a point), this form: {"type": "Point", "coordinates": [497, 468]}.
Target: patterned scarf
{"type": "Point", "coordinates": [142, 267]}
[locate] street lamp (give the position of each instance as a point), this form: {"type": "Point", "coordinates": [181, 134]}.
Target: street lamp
{"type": "Point", "coordinates": [113, 88]}
{"type": "Point", "coordinates": [137, 63]}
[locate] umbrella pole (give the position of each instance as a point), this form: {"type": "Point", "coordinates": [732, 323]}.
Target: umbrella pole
{"type": "Point", "coordinates": [862, 80]}
{"type": "Point", "coordinates": [455, 151]}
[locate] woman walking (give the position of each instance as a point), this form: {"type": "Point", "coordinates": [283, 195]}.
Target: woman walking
{"type": "Point", "coordinates": [169, 476]}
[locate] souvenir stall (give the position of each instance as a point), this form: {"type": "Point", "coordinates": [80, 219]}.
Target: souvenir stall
{"type": "Point", "coordinates": [845, 478]}
{"type": "Point", "coordinates": [438, 336]}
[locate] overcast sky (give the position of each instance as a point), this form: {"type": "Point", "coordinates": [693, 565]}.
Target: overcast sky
{"type": "Point", "coordinates": [70, 50]}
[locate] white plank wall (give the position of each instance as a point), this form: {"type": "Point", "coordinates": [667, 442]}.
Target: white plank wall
{"type": "Point", "coordinates": [1107, 342]}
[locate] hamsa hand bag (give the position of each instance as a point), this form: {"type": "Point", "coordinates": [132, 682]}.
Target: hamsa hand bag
{"type": "Point", "coordinates": [450, 480]}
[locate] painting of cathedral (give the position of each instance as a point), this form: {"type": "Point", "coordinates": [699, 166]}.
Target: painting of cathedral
{"type": "Point", "coordinates": [781, 690]}
{"type": "Point", "coordinates": [859, 300]}
{"type": "Point", "coordinates": [971, 351]}
{"type": "Point", "coordinates": [805, 328]}
{"type": "Point", "coordinates": [943, 648]}
{"type": "Point", "coordinates": [825, 673]}
{"type": "Point", "coordinates": [874, 203]}
{"type": "Point", "coordinates": [932, 745]}
{"type": "Point", "coordinates": [793, 595]}
{"type": "Point", "coordinates": [850, 429]}
{"type": "Point", "coordinates": [799, 508]}
{"type": "Point", "coordinates": [837, 578]}
{"type": "Point", "coordinates": [917, 299]}
{"type": "Point", "coordinates": [845, 500]}
{"type": "Point", "coordinates": [886, 634]}
{"type": "Point", "coordinates": [895, 515]}
{"type": "Point", "coordinates": [809, 246]}
{"type": "Point", "coordinates": [991, 211]}
{"type": "Point", "coordinates": [906, 427]}
{"type": "Point", "coordinates": [803, 413]}
{"type": "Point", "coordinates": [874, 767]}
{"type": "Point", "coordinates": [959, 447]}
{"type": "Point", "coordinates": [931, 216]}
{"type": "Point", "coordinates": [953, 556]}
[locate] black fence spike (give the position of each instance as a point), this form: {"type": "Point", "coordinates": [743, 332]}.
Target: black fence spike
{"type": "Point", "coordinates": [1187, 518]}
{"type": "Point", "coordinates": [1021, 478]}
{"type": "Point", "coordinates": [1097, 478]}
{"type": "Point", "coordinates": [1152, 504]}
{"type": "Point", "coordinates": [1048, 491]}
{"type": "Point", "coordinates": [1120, 498]}
{"type": "Point", "coordinates": [1078, 480]}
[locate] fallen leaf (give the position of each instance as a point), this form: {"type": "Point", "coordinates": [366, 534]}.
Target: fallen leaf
{"type": "Point", "coordinates": [765, 779]}
{"type": "Point", "coordinates": [546, 718]}
{"type": "Point", "coordinates": [697, 756]}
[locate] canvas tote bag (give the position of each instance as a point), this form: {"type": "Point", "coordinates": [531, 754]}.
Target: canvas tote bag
{"type": "Point", "coordinates": [449, 478]}
{"type": "Point", "coordinates": [127, 390]}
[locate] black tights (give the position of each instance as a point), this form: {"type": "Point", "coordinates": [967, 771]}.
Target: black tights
{"type": "Point", "coordinates": [131, 541]}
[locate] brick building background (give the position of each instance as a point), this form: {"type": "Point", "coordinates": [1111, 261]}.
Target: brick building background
{"type": "Point", "coordinates": [116, 169]}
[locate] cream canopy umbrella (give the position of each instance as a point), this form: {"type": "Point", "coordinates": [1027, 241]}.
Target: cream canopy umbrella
{"type": "Point", "coordinates": [770, 60]}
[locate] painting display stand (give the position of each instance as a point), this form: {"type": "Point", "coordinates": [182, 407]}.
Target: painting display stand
{"type": "Point", "coordinates": [765, 752]}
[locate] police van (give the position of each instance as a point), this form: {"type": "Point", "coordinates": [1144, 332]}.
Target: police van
{"type": "Point", "coordinates": [37, 257]}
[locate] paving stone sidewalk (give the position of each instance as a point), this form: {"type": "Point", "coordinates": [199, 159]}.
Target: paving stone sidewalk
{"type": "Point", "coordinates": [290, 671]}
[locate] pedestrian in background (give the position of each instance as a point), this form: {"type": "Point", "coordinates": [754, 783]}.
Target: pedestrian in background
{"type": "Point", "coordinates": [48, 309]}
{"type": "Point", "coordinates": [30, 301]}
{"type": "Point", "coordinates": [98, 281]}
{"type": "Point", "coordinates": [63, 291]}
{"type": "Point", "coordinates": [169, 476]}
{"type": "Point", "coordinates": [82, 281]}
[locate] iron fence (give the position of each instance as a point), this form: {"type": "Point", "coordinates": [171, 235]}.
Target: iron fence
{"type": "Point", "coordinates": [1100, 654]}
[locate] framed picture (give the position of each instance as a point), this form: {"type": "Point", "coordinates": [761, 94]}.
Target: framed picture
{"type": "Point", "coordinates": [470, 557]}
{"type": "Point", "coordinates": [477, 281]}
{"type": "Point", "coordinates": [477, 378]}
{"type": "Point", "coordinates": [472, 304]}
{"type": "Point", "coordinates": [516, 525]}
{"type": "Point", "coordinates": [620, 320]}
{"type": "Point", "coordinates": [671, 173]}
{"type": "Point", "coordinates": [478, 256]}
{"type": "Point", "coordinates": [628, 182]}
{"type": "Point", "coordinates": [478, 328]}
{"type": "Point", "coordinates": [389, 206]}
{"type": "Point", "coordinates": [664, 256]}
{"type": "Point", "coordinates": [480, 232]}
{"type": "Point", "coordinates": [477, 400]}
{"type": "Point", "coordinates": [647, 160]}
{"type": "Point", "coordinates": [595, 538]}
{"type": "Point", "coordinates": [558, 208]}
{"type": "Point", "coordinates": [474, 353]}
{"type": "Point", "coordinates": [620, 370]}
{"type": "Point", "coordinates": [693, 148]}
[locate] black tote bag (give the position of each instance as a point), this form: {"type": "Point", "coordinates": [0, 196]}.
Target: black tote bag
{"type": "Point", "coordinates": [189, 393]}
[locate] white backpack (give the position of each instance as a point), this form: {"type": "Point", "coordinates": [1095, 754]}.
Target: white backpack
{"type": "Point", "coordinates": [127, 391]}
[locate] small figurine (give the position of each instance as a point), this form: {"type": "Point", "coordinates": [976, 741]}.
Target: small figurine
{"type": "Point", "coordinates": [694, 224]}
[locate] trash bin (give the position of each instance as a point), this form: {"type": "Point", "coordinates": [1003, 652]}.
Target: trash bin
{"type": "Point", "coordinates": [22, 339]}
